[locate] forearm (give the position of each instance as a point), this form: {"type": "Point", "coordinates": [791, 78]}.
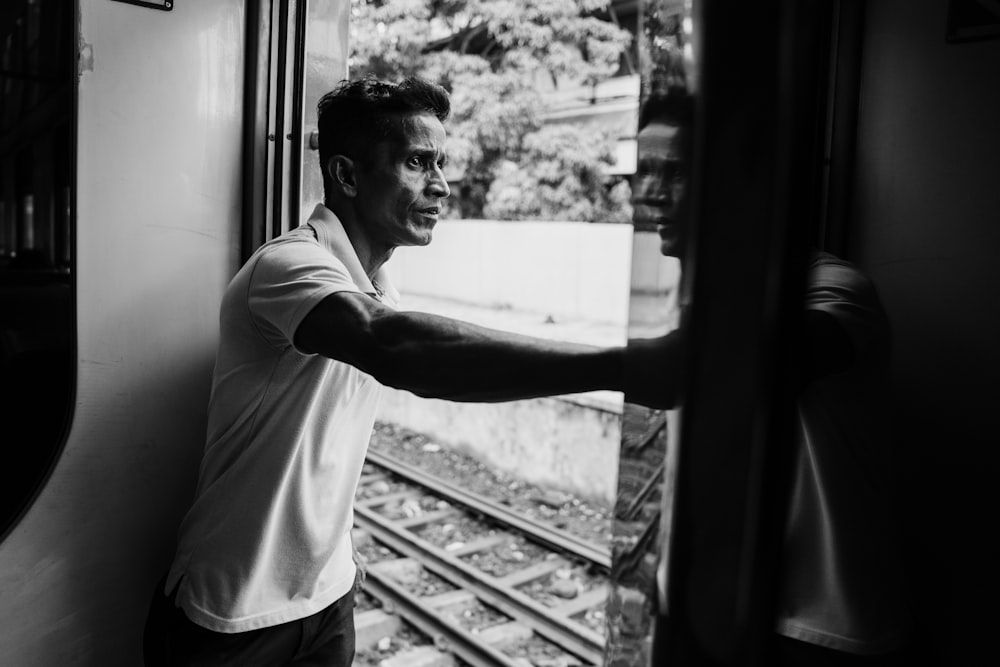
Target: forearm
{"type": "Point", "coordinates": [437, 357]}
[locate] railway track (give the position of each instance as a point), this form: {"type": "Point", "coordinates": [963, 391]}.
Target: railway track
{"type": "Point", "coordinates": [484, 585]}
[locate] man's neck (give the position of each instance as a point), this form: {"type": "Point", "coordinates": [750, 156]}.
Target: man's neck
{"type": "Point", "coordinates": [370, 255]}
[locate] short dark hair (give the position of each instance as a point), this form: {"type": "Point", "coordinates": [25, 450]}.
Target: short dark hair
{"type": "Point", "coordinates": [358, 114]}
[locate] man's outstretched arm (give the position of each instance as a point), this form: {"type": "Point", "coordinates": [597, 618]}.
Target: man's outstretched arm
{"type": "Point", "coordinates": [439, 357]}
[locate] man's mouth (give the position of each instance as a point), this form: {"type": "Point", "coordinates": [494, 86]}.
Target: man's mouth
{"type": "Point", "coordinates": [430, 210]}
{"type": "Point", "coordinates": [649, 218]}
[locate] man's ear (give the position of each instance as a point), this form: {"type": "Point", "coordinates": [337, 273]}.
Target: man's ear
{"type": "Point", "coordinates": [341, 172]}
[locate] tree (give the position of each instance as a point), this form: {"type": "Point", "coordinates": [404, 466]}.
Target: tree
{"type": "Point", "coordinates": [560, 178]}
{"type": "Point", "coordinates": [492, 56]}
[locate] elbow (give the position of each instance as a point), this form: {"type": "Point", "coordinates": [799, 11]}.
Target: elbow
{"type": "Point", "coordinates": [380, 366]}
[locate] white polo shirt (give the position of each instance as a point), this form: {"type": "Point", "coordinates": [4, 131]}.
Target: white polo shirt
{"type": "Point", "coordinates": [267, 539]}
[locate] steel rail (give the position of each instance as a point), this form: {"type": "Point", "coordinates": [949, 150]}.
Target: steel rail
{"type": "Point", "coordinates": [553, 538]}
{"type": "Point", "coordinates": [560, 630]}
{"type": "Point", "coordinates": [446, 636]}
{"type": "Point", "coordinates": [636, 504]}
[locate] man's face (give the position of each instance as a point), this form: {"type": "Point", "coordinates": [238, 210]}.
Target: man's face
{"type": "Point", "coordinates": [401, 187]}
{"type": "Point", "coordinates": [659, 186]}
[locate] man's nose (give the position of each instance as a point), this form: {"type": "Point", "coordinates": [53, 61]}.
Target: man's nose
{"type": "Point", "coordinates": [438, 185]}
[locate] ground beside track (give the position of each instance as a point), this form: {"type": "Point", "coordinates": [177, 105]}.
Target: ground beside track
{"type": "Point", "coordinates": [587, 519]}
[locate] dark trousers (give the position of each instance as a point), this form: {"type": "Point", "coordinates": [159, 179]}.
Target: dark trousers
{"type": "Point", "coordinates": [325, 638]}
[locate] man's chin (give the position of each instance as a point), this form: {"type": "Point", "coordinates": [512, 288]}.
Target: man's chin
{"type": "Point", "coordinates": [670, 246]}
{"type": "Point", "coordinates": [670, 240]}
{"type": "Point", "coordinates": [419, 232]}
{"type": "Point", "coordinates": [423, 237]}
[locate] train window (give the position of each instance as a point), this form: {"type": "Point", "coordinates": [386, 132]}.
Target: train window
{"type": "Point", "coordinates": [37, 334]}
{"type": "Point", "coordinates": [325, 63]}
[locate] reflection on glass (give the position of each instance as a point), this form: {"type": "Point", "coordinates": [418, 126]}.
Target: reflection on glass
{"type": "Point", "coordinates": [647, 459]}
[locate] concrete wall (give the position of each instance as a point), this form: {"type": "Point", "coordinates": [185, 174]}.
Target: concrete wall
{"type": "Point", "coordinates": [567, 269]}
{"type": "Point", "coordinates": [565, 445]}
{"type": "Point", "coordinates": [927, 212]}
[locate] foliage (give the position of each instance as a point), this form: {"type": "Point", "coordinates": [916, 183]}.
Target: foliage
{"type": "Point", "coordinates": [561, 177]}
{"type": "Point", "coordinates": [491, 55]}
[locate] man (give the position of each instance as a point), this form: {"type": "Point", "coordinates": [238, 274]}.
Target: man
{"type": "Point", "coordinates": [263, 572]}
{"type": "Point", "coordinates": [841, 600]}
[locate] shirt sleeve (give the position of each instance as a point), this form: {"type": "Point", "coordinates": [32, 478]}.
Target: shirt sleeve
{"type": "Point", "coordinates": [287, 283]}
{"type": "Point", "coordinates": [839, 289]}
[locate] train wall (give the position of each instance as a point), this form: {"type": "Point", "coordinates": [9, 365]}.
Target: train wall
{"type": "Point", "coordinates": [158, 215]}
{"type": "Point", "coordinates": [927, 229]}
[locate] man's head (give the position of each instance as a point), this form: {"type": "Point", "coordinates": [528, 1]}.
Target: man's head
{"type": "Point", "coordinates": [659, 188]}
{"type": "Point", "coordinates": [381, 149]}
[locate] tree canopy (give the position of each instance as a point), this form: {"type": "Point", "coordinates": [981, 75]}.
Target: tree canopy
{"type": "Point", "coordinates": [560, 178]}
{"type": "Point", "coordinates": [494, 57]}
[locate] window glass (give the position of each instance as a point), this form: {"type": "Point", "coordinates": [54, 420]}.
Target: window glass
{"type": "Point", "coordinates": [325, 64]}
{"type": "Point", "coordinates": [648, 457]}
{"type": "Point", "coordinates": [37, 334]}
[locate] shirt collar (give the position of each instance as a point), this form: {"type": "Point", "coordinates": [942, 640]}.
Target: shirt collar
{"type": "Point", "coordinates": [331, 235]}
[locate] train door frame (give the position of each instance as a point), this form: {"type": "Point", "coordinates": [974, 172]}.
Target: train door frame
{"type": "Point", "coordinates": [274, 89]}
{"type": "Point", "coordinates": [843, 99]}
{"type": "Point", "coordinates": [769, 101]}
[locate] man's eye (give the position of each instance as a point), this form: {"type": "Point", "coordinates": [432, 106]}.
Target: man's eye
{"type": "Point", "coordinates": [415, 161]}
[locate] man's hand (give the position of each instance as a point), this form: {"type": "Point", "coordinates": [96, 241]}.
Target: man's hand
{"type": "Point", "coordinates": [652, 371]}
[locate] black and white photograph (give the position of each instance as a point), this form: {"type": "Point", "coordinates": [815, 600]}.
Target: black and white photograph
{"type": "Point", "coordinates": [499, 333]}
